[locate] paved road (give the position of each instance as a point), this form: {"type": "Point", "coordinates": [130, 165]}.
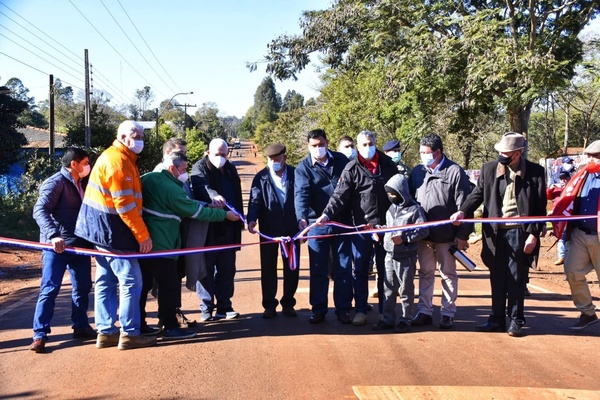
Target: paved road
{"type": "Point", "coordinates": [288, 358]}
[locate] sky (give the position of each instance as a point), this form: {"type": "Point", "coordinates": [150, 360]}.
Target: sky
{"type": "Point", "coordinates": [199, 46]}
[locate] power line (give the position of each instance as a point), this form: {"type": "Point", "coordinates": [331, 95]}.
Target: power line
{"type": "Point", "coordinates": [148, 46]}
{"type": "Point", "coordinates": [108, 42]}
{"type": "Point", "coordinates": [135, 47]}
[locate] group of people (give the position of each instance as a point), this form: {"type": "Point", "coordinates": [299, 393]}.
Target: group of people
{"type": "Point", "coordinates": [357, 186]}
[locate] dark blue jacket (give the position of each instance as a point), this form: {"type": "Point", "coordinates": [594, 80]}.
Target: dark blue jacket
{"type": "Point", "coordinates": [275, 219]}
{"type": "Point", "coordinates": [315, 185]}
{"type": "Point", "coordinates": [57, 208]}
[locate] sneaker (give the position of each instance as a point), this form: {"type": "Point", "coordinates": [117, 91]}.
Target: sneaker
{"type": "Point", "coordinates": [422, 319]}
{"type": "Point", "coordinates": [103, 341]}
{"type": "Point", "coordinates": [359, 319]}
{"type": "Point", "coordinates": [135, 342]}
{"type": "Point", "coordinates": [85, 333]}
{"type": "Point", "coordinates": [149, 330]}
{"type": "Point", "coordinates": [560, 261]}
{"type": "Point", "coordinates": [269, 313]}
{"type": "Point", "coordinates": [402, 327]}
{"type": "Point", "coordinates": [227, 314]}
{"type": "Point", "coordinates": [382, 326]}
{"type": "Point", "coordinates": [289, 312]}
{"type": "Point", "coordinates": [446, 322]}
{"type": "Point", "coordinates": [184, 322]}
{"type": "Point", "coordinates": [38, 345]}
{"type": "Point", "coordinates": [584, 321]}
{"type": "Point", "coordinates": [206, 316]}
{"type": "Point", "coordinates": [178, 333]}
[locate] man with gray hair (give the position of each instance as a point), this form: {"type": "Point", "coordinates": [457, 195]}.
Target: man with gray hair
{"type": "Point", "coordinates": [111, 219]}
{"type": "Point", "coordinates": [362, 189]}
{"type": "Point", "coordinates": [215, 180]}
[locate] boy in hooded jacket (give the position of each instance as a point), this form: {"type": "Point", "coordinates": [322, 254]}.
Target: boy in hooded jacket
{"type": "Point", "coordinates": [401, 255]}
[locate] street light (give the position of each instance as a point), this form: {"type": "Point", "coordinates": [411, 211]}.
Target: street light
{"type": "Point", "coordinates": [169, 102]}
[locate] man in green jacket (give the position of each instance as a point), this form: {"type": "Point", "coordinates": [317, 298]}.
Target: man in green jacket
{"type": "Point", "coordinates": [165, 204]}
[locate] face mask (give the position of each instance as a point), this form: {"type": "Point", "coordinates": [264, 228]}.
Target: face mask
{"type": "Point", "coordinates": [85, 172]}
{"type": "Point", "coordinates": [397, 157]}
{"type": "Point", "coordinates": [275, 166]}
{"type": "Point", "coordinates": [567, 167]}
{"type": "Point", "coordinates": [349, 152]}
{"type": "Point", "coordinates": [183, 177]}
{"type": "Point", "coordinates": [427, 159]}
{"type": "Point", "coordinates": [394, 199]}
{"type": "Point", "coordinates": [318, 152]}
{"type": "Point", "coordinates": [504, 160]}
{"type": "Point", "coordinates": [217, 161]}
{"type": "Point", "coordinates": [138, 146]}
{"type": "Point", "coordinates": [367, 152]}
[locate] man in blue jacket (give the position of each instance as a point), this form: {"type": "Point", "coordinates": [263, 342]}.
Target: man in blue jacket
{"type": "Point", "coordinates": [56, 212]}
{"type": "Point", "coordinates": [316, 178]}
{"type": "Point", "coordinates": [272, 205]}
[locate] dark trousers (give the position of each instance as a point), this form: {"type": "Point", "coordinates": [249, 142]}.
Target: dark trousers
{"type": "Point", "coordinates": [268, 276]}
{"type": "Point", "coordinates": [363, 249]}
{"type": "Point", "coordinates": [164, 271]}
{"type": "Point", "coordinates": [218, 282]}
{"type": "Point", "coordinates": [509, 276]}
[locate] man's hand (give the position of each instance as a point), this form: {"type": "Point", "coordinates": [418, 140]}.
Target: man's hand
{"type": "Point", "coordinates": [322, 220]}
{"type": "Point", "coordinates": [456, 217]}
{"type": "Point", "coordinates": [251, 226]}
{"type": "Point", "coordinates": [219, 201]}
{"type": "Point", "coordinates": [146, 246]}
{"type": "Point", "coordinates": [397, 239]}
{"type": "Point", "coordinates": [231, 216]}
{"type": "Point", "coordinates": [530, 244]}
{"type": "Point", "coordinates": [302, 224]}
{"type": "Point", "coordinates": [58, 244]}
{"type": "Point", "coordinates": [461, 244]}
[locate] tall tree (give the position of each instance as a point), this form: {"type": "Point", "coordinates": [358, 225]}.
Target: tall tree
{"type": "Point", "coordinates": [144, 98]}
{"type": "Point", "coordinates": [11, 139]}
{"type": "Point", "coordinates": [292, 101]}
{"type": "Point", "coordinates": [467, 51]}
{"type": "Point", "coordinates": [267, 102]}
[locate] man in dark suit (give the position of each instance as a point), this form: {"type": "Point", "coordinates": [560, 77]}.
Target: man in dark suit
{"type": "Point", "coordinates": [509, 187]}
{"type": "Point", "coordinates": [272, 205]}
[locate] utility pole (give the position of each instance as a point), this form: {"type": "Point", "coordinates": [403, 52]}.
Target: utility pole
{"type": "Point", "coordinates": [51, 122]}
{"type": "Point", "coordinates": [185, 107]}
{"type": "Point", "coordinates": [88, 132]}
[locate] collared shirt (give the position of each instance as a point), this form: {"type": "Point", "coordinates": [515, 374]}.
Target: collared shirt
{"type": "Point", "coordinates": [437, 168]}
{"type": "Point", "coordinates": [590, 193]}
{"type": "Point", "coordinates": [319, 163]}
{"type": "Point", "coordinates": [279, 183]}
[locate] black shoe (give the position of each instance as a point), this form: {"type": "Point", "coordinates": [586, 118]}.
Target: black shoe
{"type": "Point", "coordinates": [382, 326]}
{"type": "Point", "coordinates": [316, 318]}
{"type": "Point", "coordinates": [515, 330]}
{"type": "Point", "coordinates": [269, 313]}
{"type": "Point", "coordinates": [422, 320]}
{"type": "Point", "coordinates": [402, 327]}
{"type": "Point", "coordinates": [149, 330]}
{"type": "Point", "coordinates": [85, 333]}
{"type": "Point", "coordinates": [491, 327]}
{"type": "Point", "coordinates": [289, 312]}
{"type": "Point", "coordinates": [344, 318]}
{"type": "Point", "coordinates": [584, 321]}
{"type": "Point", "coordinates": [446, 322]}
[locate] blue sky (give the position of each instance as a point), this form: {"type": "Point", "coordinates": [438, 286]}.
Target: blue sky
{"type": "Point", "coordinates": [202, 45]}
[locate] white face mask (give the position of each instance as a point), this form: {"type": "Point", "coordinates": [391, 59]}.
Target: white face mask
{"type": "Point", "coordinates": [275, 166]}
{"type": "Point", "coordinates": [183, 177]}
{"type": "Point", "coordinates": [318, 152]}
{"type": "Point", "coordinates": [349, 152]}
{"type": "Point", "coordinates": [217, 161]}
{"type": "Point", "coordinates": [138, 146]}
{"type": "Point", "coordinates": [367, 152]}
{"type": "Point", "coordinates": [85, 172]}
{"type": "Point", "coordinates": [567, 167]}
{"type": "Point", "coordinates": [427, 159]}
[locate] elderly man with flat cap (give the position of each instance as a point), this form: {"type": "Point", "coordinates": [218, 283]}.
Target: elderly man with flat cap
{"type": "Point", "coordinates": [581, 196]}
{"type": "Point", "coordinates": [510, 187]}
{"type": "Point", "coordinates": [271, 206]}
{"type": "Point", "coordinates": [392, 150]}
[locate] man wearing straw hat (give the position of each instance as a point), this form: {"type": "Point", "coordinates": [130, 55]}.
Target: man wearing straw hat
{"type": "Point", "coordinates": [509, 187]}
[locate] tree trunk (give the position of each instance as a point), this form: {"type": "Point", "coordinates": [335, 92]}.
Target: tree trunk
{"type": "Point", "coordinates": [567, 128]}
{"type": "Point", "coordinates": [519, 118]}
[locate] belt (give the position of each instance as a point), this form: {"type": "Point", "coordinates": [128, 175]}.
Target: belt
{"type": "Point", "coordinates": [587, 231]}
{"type": "Point", "coordinates": [510, 226]}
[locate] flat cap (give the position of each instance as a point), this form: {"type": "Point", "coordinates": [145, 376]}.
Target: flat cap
{"type": "Point", "coordinates": [391, 145]}
{"type": "Point", "coordinates": [274, 149]}
{"type": "Point", "coordinates": [593, 148]}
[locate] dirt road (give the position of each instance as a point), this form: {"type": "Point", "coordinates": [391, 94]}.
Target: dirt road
{"type": "Point", "coordinates": [288, 358]}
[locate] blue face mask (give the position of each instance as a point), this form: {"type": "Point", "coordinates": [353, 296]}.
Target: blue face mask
{"type": "Point", "coordinates": [427, 159]}
{"type": "Point", "coordinates": [396, 158]}
{"type": "Point", "coordinates": [275, 166]}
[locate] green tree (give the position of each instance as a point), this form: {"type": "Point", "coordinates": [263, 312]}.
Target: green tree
{"type": "Point", "coordinates": [208, 124]}
{"type": "Point", "coordinates": [292, 101]}
{"type": "Point", "coordinates": [12, 140]}
{"type": "Point", "coordinates": [267, 102]}
{"type": "Point", "coordinates": [144, 98]}
{"type": "Point", "coordinates": [103, 130]}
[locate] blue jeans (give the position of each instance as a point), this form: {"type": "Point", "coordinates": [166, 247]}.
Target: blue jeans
{"type": "Point", "coordinates": [338, 249]}
{"type": "Point", "coordinates": [363, 248]}
{"type": "Point", "coordinates": [53, 270]}
{"type": "Point", "coordinates": [122, 275]}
